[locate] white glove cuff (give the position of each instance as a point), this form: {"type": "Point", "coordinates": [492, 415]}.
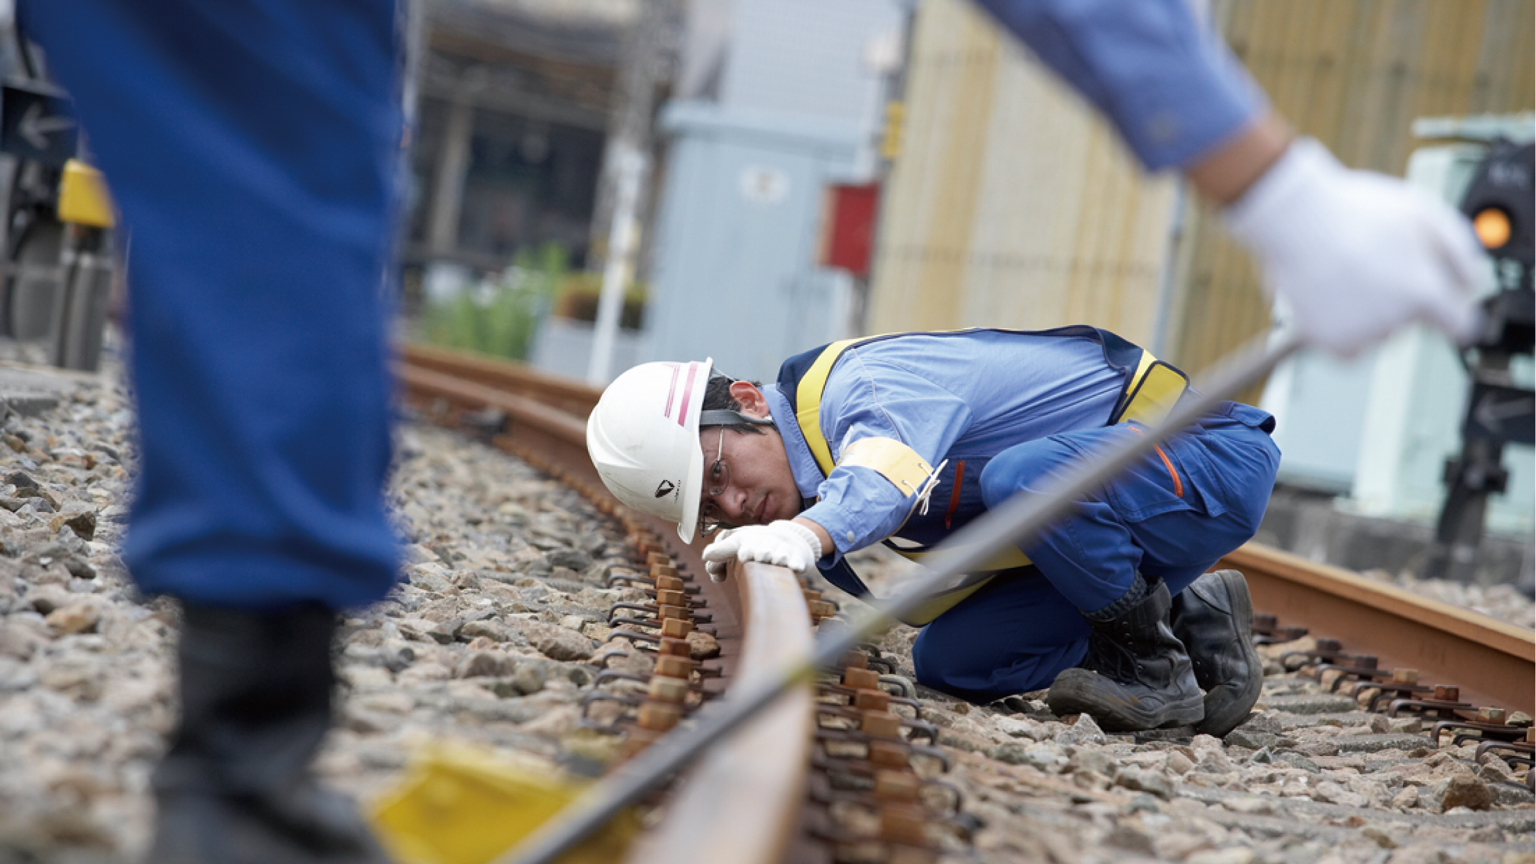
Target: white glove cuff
{"type": "Point", "coordinates": [806, 534]}
{"type": "Point", "coordinates": [1273, 209]}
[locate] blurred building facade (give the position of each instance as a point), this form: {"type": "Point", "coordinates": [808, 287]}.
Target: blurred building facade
{"type": "Point", "coordinates": [775, 100]}
{"type": "Point", "coordinates": [513, 104]}
{"type": "Point", "coordinates": [1010, 203]}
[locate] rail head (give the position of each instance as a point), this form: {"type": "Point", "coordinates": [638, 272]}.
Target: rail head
{"type": "Point", "coordinates": [742, 801]}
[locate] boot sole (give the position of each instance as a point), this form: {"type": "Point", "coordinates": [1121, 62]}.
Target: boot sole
{"type": "Point", "coordinates": [1081, 694]}
{"type": "Point", "coordinates": [1227, 707]}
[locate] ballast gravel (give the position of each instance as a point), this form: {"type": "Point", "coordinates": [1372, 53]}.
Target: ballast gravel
{"type": "Point", "coordinates": [499, 627]}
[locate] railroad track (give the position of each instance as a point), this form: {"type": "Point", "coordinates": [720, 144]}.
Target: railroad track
{"type": "Point", "coordinates": [855, 742]}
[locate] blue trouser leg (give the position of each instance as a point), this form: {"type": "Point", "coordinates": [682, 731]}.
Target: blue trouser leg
{"type": "Point", "coordinates": [1016, 634]}
{"type": "Point", "coordinates": [1012, 636]}
{"type": "Point", "coordinates": [250, 146]}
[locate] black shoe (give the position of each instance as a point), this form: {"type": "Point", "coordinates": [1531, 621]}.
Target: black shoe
{"type": "Point", "coordinates": [255, 703]}
{"type": "Point", "coordinates": [1136, 675]}
{"type": "Point", "coordinates": [1213, 617]}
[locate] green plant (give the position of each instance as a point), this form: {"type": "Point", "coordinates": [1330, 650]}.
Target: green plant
{"type": "Point", "coordinates": [499, 318]}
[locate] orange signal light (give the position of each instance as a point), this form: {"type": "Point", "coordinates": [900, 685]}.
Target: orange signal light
{"type": "Point", "coordinates": [1492, 227]}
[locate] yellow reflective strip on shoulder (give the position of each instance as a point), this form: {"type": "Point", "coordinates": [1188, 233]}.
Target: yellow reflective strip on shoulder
{"type": "Point", "coordinates": [892, 460]}
{"type": "Point", "coordinates": [1005, 559]}
{"type": "Point", "coordinates": [941, 602]}
{"type": "Point", "coordinates": [808, 400]}
{"type": "Point", "coordinates": [83, 198]}
{"type": "Point", "coordinates": [1128, 392]}
{"type": "Point", "coordinates": [1146, 362]}
{"type": "Point", "coordinates": [1157, 391]}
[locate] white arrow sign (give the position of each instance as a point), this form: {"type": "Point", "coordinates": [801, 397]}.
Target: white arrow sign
{"type": "Point", "coordinates": [1491, 413]}
{"type": "Point", "coordinates": [36, 128]}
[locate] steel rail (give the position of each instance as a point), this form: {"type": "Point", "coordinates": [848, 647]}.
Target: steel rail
{"type": "Point", "coordinates": [742, 802]}
{"type": "Point", "coordinates": [523, 409]}
{"type": "Point", "coordinates": [565, 394]}
{"type": "Point", "coordinates": [750, 794]}
{"type": "Point", "coordinates": [1492, 663]}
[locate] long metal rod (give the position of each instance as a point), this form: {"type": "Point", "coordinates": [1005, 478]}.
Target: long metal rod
{"type": "Point", "coordinates": [1019, 517]}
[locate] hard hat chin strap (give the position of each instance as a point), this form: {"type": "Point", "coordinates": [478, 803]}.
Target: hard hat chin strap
{"type": "Point", "coordinates": [727, 417]}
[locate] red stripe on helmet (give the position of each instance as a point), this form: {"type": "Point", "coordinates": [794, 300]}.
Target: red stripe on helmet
{"type": "Point", "coordinates": [693, 369]}
{"type": "Point", "coordinates": [672, 389]}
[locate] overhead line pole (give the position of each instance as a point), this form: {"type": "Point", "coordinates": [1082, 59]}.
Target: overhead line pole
{"type": "Point", "coordinates": [626, 163]}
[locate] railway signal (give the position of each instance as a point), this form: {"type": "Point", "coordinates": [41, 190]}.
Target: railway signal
{"type": "Point", "coordinates": [1499, 410]}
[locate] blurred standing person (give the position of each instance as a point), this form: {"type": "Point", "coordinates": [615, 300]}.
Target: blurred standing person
{"type": "Point", "coordinates": [251, 148]}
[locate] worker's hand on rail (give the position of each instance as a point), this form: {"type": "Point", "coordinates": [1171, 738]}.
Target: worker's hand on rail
{"type": "Point", "coordinates": [716, 569]}
{"type": "Point", "coordinates": [785, 543]}
{"type": "Point", "coordinates": [1355, 253]}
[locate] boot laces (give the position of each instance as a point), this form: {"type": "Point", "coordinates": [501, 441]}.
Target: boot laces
{"type": "Point", "coordinates": [1110, 658]}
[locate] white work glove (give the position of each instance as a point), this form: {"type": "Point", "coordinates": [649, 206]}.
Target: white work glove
{"type": "Point", "coordinates": [785, 543]}
{"type": "Point", "coordinates": [1355, 253]}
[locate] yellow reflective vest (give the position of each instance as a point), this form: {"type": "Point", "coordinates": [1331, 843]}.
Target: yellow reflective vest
{"type": "Point", "coordinates": [1150, 391]}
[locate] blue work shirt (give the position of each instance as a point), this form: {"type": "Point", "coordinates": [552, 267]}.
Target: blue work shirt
{"type": "Point", "coordinates": [951, 397]}
{"type": "Point", "coordinates": [1168, 83]}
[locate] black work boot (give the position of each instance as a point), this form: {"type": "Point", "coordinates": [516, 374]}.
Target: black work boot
{"type": "Point", "coordinates": [1213, 617]}
{"type": "Point", "coordinates": [234, 787]}
{"type": "Point", "coordinates": [1136, 675]}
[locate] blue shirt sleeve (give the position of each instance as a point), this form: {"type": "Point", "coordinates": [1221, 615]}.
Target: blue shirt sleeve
{"type": "Point", "coordinates": [857, 505]}
{"type": "Point", "coordinates": [1169, 85]}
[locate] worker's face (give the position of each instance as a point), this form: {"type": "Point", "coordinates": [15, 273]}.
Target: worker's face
{"type": "Point", "coordinates": [758, 486]}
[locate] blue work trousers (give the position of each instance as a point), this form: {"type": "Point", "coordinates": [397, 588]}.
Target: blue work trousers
{"type": "Point", "coordinates": [251, 147]}
{"type": "Point", "coordinates": [1171, 516]}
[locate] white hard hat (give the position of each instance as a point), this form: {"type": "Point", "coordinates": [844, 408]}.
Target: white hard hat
{"type": "Point", "coordinates": [643, 436]}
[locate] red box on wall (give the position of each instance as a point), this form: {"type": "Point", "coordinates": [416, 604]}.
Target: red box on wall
{"type": "Point", "coordinates": [848, 227]}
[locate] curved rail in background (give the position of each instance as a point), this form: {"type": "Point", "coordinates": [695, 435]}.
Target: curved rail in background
{"type": "Point", "coordinates": [562, 394]}
{"type": "Point", "coordinates": [1492, 663]}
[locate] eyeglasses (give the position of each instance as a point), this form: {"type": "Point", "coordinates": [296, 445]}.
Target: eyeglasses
{"type": "Point", "coordinates": [710, 520]}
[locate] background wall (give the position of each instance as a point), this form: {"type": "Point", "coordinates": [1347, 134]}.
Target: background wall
{"type": "Point", "coordinates": [1010, 203]}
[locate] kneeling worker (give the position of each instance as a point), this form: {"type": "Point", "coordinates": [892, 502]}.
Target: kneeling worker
{"type": "Point", "coordinates": [906, 438]}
